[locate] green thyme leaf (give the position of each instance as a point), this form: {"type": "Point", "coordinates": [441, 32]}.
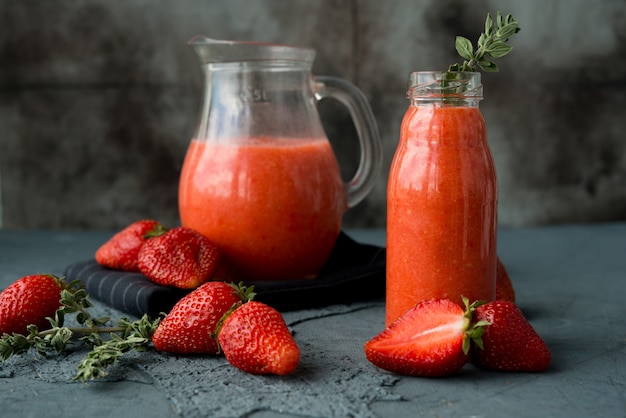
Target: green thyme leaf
{"type": "Point", "coordinates": [498, 49]}
{"type": "Point", "coordinates": [507, 31]}
{"type": "Point", "coordinates": [464, 47]}
{"type": "Point", "coordinates": [488, 66]}
{"type": "Point", "coordinates": [488, 26]}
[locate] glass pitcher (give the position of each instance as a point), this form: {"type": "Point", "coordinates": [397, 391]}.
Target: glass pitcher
{"type": "Point", "coordinates": [260, 178]}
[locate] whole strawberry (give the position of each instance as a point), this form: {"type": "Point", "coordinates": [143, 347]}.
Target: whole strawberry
{"type": "Point", "coordinates": [180, 257]}
{"type": "Point", "coordinates": [255, 339]}
{"type": "Point", "coordinates": [510, 343]}
{"type": "Point", "coordinates": [504, 286]}
{"type": "Point", "coordinates": [189, 326]}
{"type": "Point", "coordinates": [121, 251]}
{"type": "Point", "coordinates": [28, 301]}
{"type": "Point", "coordinates": [432, 339]}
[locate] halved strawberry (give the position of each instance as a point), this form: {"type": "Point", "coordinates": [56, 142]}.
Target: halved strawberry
{"type": "Point", "coordinates": [432, 339]}
{"type": "Point", "coordinates": [510, 343]}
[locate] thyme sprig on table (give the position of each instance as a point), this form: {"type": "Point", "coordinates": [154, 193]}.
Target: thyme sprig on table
{"type": "Point", "coordinates": [124, 336]}
{"type": "Point", "coordinates": [491, 44]}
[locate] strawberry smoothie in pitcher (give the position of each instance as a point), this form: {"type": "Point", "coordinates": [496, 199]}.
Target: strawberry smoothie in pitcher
{"type": "Point", "coordinates": [260, 178]}
{"type": "Point", "coordinates": [274, 207]}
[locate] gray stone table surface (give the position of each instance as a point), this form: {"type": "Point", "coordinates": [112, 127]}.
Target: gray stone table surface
{"type": "Point", "coordinates": [570, 282]}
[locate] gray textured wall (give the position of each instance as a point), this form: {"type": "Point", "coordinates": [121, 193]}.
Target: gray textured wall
{"type": "Point", "coordinates": [99, 99]}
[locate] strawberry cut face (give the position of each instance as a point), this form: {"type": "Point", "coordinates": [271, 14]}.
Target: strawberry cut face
{"type": "Point", "coordinates": [426, 341]}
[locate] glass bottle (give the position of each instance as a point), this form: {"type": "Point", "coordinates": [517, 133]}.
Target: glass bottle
{"type": "Point", "coordinates": [441, 197]}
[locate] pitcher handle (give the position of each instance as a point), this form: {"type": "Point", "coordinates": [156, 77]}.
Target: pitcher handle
{"type": "Point", "coordinates": [371, 157]}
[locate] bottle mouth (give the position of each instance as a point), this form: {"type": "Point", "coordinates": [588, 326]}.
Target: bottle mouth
{"type": "Point", "coordinates": [444, 84]}
{"type": "Point", "coordinates": [223, 51]}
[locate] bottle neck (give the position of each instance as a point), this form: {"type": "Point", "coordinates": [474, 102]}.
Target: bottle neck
{"type": "Point", "coordinates": [441, 88]}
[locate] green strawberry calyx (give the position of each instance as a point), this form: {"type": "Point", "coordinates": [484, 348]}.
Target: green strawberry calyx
{"type": "Point", "coordinates": [156, 231]}
{"type": "Point", "coordinates": [474, 331]}
{"type": "Point", "coordinates": [245, 294]}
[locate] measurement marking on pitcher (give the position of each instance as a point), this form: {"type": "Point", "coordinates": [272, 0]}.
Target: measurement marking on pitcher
{"type": "Point", "coordinates": [254, 95]}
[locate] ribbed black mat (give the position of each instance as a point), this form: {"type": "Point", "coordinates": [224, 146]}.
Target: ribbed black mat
{"type": "Point", "coordinates": [354, 272]}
